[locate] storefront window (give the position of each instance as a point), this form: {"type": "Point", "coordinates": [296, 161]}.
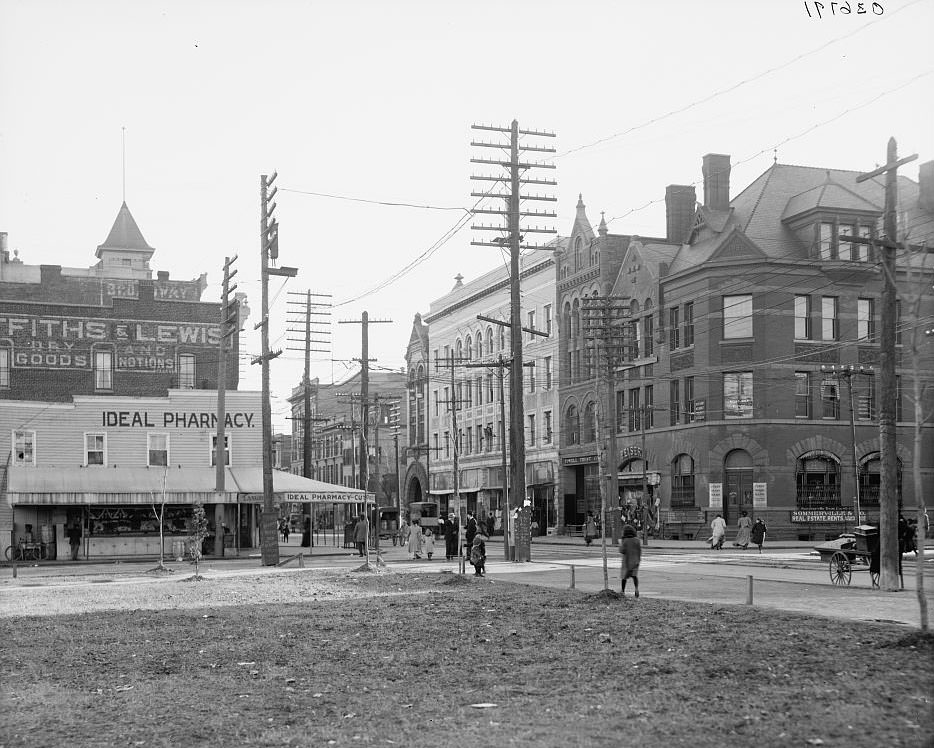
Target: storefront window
{"type": "Point", "coordinates": [817, 477]}
{"type": "Point", "coordinates": [137, 520]}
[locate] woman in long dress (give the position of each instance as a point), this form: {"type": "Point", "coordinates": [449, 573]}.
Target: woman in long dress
{"type": "Point", "coordinates": [743, 533]}
{"type": "Point", "coordinates": [415, 541]}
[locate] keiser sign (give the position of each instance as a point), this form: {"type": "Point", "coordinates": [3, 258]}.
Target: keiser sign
{"type": "Point", "coordinates": [173, 419]}
{"type": "Point", "coordinates": [55, 342]}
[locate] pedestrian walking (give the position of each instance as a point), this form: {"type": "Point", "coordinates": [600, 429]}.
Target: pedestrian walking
{"type": "Point", "coordinates": [470, 531]}
{"type": "Point", "coordinates": [757, 535]}
{"type": "Point", "coordinates": [718, 529]}
{"type": "Point", "coordinates": [361, 534]}
{"type": "Point", "coordinates": [285, 532]}
{"type": "Point", "coordinates": [450, 538]}
{"type": "Point", "coordinates": [742, 534]}
{"type": "Point", "coordinates": [428, 543]}
{"type": "Point", "coordinates": [590, 528]}
{"type": "Point", "coordinates": [402, 534]}
{"type": "Point", "coordinates": [415, 541]}
{"type": "Point", "coordinates": [478, 554]}
{"type": "Point", "coordinates": [74, 539]}
{"type": "Point", "coordinates": [630, 551]}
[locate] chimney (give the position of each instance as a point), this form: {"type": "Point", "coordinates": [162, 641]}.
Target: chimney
{"type": "Point", "coordinates": [926, 186]}
{"type": "Point", "coordinates": [717, 181]}
{"type": "Point", "coordinates": [680, 200]}
{"type": "Point", "coordinates": [162, 275]}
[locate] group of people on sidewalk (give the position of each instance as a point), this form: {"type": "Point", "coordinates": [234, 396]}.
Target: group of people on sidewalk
{"type": "Point", "coordinates": [420, 542]}
{"type": "Point", "coordinates": [747, 532]}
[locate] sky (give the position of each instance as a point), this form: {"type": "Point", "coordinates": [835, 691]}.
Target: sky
{"type": "Point", "coordinates": [371, 102]}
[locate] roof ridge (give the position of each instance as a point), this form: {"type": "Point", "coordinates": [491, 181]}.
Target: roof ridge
{"type": "Point", "coordinates": [755, 205]}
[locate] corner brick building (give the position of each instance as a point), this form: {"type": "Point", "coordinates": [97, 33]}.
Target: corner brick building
{"type": "Point", "coordinates": [110, 329]}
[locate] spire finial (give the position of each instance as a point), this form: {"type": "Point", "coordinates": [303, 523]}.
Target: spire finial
{"type": "Point", "coordinates": [123, 129]}
{"type": "Point", "coordinates": [775, 156]}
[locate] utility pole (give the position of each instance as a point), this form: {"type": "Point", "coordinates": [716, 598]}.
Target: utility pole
{"type": "Point", "coordinates": [514, 239]}
{"type": "Point", "coordinates": [365, 360]}
{"type": "Point", "coordinates": [394, 424]}
{"type": "Point", "coordinates": [269, 250]}
{"type": "Point", "coordinates": [311, 309]}
{"type": "Point", "coordinates": [889, 579]}
{"type": "Point", "coordinates": [230, 324]}
{"type": "Point", "coordinates": [604, 325]}
{"type": "Point", "coordinates": [509, 539]}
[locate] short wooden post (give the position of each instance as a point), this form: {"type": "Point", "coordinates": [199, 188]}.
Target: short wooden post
{"type": "Point", "coordinates": [301, 560]}
{"type": "Point", "coordinates": [749, 590]}
{"type": "Point", "coordinates": [572, 578]}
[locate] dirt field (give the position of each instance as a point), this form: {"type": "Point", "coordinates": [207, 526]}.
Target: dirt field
{"type": "Point", "coordinates": [314, 658]}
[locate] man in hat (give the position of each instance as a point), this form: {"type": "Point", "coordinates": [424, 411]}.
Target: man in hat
{"type": "Point", "coordinates": [450, 538]}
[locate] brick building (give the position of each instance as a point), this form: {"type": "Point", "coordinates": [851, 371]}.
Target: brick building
{"type": "Point", "coordinates": [738, 313]}
{"type": "Point", "coordinates": [110, 329]}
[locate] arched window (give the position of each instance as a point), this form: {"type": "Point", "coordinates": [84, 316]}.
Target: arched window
{"type": "Point", "coordinates": [502, 338]}
{"type": "Point", "coordinates": [566, 321]}
{"type": "Point", "coordinates": [572, 426]}
{"type": "Point", "coordinates": [576, 319]}
{"type": "Point", "coordinates": [634, 307]}
{"type": "Point", "coordinates": [593, 253]}
{"type": "Point", "coordinates": [817, 479]}
{"type": "Point", "coordinates": [870, 479]}
{"type": "Point", "coordinates": [479, 344]}
{"type": "Point", "coordinates": [589, 433]}
{"type": "Point", "coordinates": [458, 349]}
{"type": "Point", "coordinates": [578, 245]}
{"type": "Point", "coordinates": [469, 347]}
{"type": "Point", "coordinates": [682, 481]}
{"type": "Point", "coordinates": [489, 338]}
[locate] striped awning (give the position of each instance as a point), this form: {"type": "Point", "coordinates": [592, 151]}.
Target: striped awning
{"type": "Point", "coordinates": [28, 485]}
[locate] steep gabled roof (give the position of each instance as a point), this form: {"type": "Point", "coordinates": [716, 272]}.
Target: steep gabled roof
{"type": "Point", "coordinates": [125, 235]}
{"type": "Point", "coordinates": [828, 196]}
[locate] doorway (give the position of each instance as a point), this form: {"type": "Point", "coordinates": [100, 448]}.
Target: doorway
{"type": "Point", "coordinates": [737, 492]}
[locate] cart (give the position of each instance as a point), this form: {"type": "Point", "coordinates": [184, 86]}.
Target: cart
{"type": "Point", "coordinates": [848, 550]}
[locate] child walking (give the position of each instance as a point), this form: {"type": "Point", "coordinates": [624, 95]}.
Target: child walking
{"type": "Point", "coordinates": [428, 542]}
{"type": "Point", "coordinates": [478, 554]}
{"type": "Point", "coordinates": [630, 549]}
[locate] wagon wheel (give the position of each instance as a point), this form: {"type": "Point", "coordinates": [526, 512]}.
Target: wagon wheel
{"type": "Point", "coordinates": [840, 569]}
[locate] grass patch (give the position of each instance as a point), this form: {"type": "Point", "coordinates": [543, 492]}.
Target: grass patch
{"type": "Point", "coordinates": [436, 660]}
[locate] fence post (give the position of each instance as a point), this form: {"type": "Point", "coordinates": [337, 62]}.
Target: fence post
{"type": "Point", "coordinates": [749, 590]}
{"type": "Point", "coordinates": [301, 560]}
{"type": "Point", "coordinates": [572, 578]}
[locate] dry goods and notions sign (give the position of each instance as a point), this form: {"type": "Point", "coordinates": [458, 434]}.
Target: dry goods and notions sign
{"type": "Point", "coordinates": [54, 342]}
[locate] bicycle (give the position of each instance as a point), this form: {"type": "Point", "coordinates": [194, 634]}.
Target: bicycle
{"type": "Point", "coordinates": [23, 551]}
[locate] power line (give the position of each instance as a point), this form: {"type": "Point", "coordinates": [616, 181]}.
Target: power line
{"type": "Point", "coordinates": [388, 203]}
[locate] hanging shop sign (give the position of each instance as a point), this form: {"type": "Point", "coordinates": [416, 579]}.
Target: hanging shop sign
{"type": "Point", "coordinates": [578, 460]}
{"type": "Point", "coordinates": [630, 452]}
{"type": "Point", "coordinates": [823, 515]}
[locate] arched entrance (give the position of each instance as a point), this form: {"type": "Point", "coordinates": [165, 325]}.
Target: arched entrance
{"type": "Point", "coordinates": [415, 487]}
{"type": "Point", "coordinates": [738, 476]}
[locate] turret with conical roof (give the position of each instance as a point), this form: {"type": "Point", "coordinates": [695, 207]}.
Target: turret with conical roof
{"type": "Point", "coordinates": [125, 245]}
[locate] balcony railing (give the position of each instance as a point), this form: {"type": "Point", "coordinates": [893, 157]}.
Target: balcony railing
{"type": "Point", "coordinates": [818, 497]}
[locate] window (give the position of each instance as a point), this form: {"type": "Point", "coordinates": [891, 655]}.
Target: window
{"type": "Point", "coordinates": [95, 449]}
{"type": "Point", "coordinates": [479, 437]}
{"type": "Point", "coordinates": [447, 400]}
{"type": "Point", "coordinates": [620, 410]}
{"type": "Point", "coordinates": [531, 325]}
{"type": "Point", "coordinates": [737, 394]}
{"type": "Point", "coordinates": [689, 324]}
{"type": "Point", "coordinates": [682, 482]}
{"type": "Point", "coordinates": [468, 348]}
{"type": "Point", "coordinates": [186, 371]}
{"type": "Point", "coordinates": [572, 427]}
{"type": "Point", "coordinates": [447, 444]}
{"type": "Point", "coordinates": [861, 251]}
{"type": "Point", "coordinates": [866, 319]}
{"type": "Point", "coordinates": [547, 372]}
{"type": "Point", "coordinates": [103, 370]}
{"type": "Point", "coordinates": [673, 331]}
{"type": "Point", "coordinates": [490, 437]}
{"type": "Point", "coordinates": [158, 447]}
{"type": "Point", "coordinates": [817, 479]}
{"type": "Point", "coordinates": [830, 398]}
{"type": "Point", "coordinates": [546, 313]}
{"type": "Point", "coordinates": [469, 445]}
{"type": "Point", "coordinates": [589, 433]}
{"type": "Point", "coordinates": [830, 325]}
{"type": "Point", "coordinates": [4, 368]}
{"type": "Point", "coordinates": [674, 401]}
{"type": "Point", "coordinates": [24, 447]}
{"type": "Point", "coordinates": [635, 410]}
{"type": "Point", "coordinates": [437, 409]}
{"type": "Point", "coordinates": [479, 381]}
{"type": "Point", "coordinates": [578, 243]}
{"type": "Point", "coordinates": [865, 395]}
{"type": "Point", "coordinates": [436, 359]}
{"type": "Point", "coordinates": [479, 344]}
{"type": "Point", "coordinates": [502, 338]}
{"type": "Point", "coordinates": [827, 249]}
{"type": "Point", "coordinates": [648, 334]}
{"type": "Point", "coordinates": [226, 450]}
{"type": "Point", "coordinates": [546, 438]}
{"type": "Point", "coordinates": [532, 430]}
{"type": "Point", "coordinates": [846, 249]}
{"type": "Point", "coordinates": [689, 399]}
{"type": "Point", "coordinates": [532, 376]}
{"type": "Point", "coordinates": [737, 316]}
{"type": "Point", "coordinates": [802, 317]}
{"type": "Point", "coordinates": [434, 439]}
{"type": "Point", "coordinates": [489, 388]}
{"type": "Point", "coordinates": [802, 394]}
{"type": "Point", "coordinates": [649, 405]}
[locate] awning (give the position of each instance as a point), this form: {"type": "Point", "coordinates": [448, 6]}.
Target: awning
{"type": "Point", "coordinates": [183, 485]}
